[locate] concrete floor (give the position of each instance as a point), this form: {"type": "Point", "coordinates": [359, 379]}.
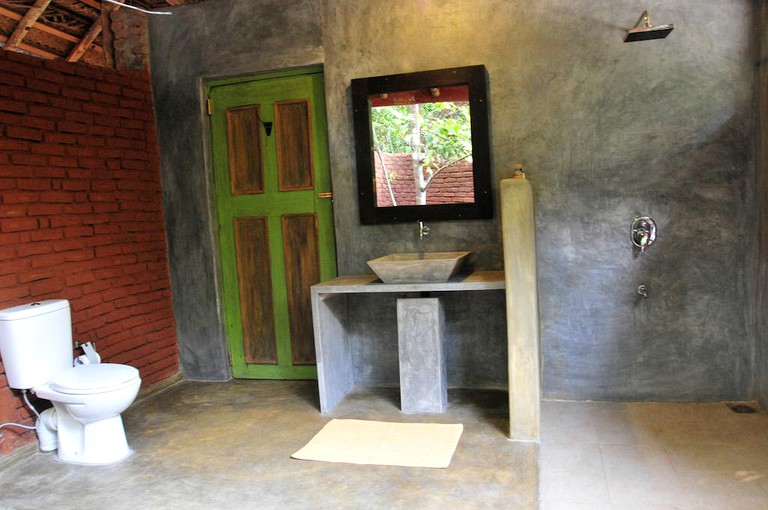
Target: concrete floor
{"type": "Point", "coordinates": [228, 445]}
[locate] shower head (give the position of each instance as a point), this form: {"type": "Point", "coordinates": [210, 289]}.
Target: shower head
{"type": "Point", "coordinates": [644, 31]}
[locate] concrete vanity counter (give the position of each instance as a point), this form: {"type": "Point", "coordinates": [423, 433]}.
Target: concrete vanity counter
{"type": "Point", "coordinates": [332, 342]}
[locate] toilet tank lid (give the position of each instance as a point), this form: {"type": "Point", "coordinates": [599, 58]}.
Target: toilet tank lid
{"type": "Point", "coordinates": [33, 309]}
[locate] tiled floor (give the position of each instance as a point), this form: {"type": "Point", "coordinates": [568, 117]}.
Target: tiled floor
{"type": "Point", "coordinates": [652, 456]}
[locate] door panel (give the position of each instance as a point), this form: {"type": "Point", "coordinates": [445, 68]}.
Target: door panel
{"type": "Point", "coordinates": [275, 224]}
{"type": "Point", "coordinates": [246, 171]}
{"type": "Point", "coordinates": [302, 269]}
{"type": "Point", "coordinates": [294, 150]}
{"type": "Point", "coordinates": [255, 286]}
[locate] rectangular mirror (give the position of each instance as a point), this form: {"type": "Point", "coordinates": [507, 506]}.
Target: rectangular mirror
{"type": "Point", "coordinates": [422, 146]}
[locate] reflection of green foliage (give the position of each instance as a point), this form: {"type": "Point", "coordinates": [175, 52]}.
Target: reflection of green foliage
{"type": "Point", "coordinates": [446, 134]}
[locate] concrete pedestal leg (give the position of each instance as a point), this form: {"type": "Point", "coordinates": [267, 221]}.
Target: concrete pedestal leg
{"type": "Point", "coordinates": [420, 338]}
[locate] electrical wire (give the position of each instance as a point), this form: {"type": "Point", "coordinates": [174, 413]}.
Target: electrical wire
{"type": "Point", "coordinates": [24, 394]}
{"type": "Point", "coordinates": [121, 4]}
{"type": "Point", "coordinates": [28, 427]}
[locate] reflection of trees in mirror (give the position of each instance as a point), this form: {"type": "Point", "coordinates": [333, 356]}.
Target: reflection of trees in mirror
{"type": "Point", "coordinates": [437, 135]}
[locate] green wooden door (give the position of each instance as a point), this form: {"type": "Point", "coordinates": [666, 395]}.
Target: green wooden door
{"type": "Point", "coordinates": [275, 218]}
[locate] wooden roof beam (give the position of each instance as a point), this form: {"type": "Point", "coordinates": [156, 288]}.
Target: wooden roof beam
{"type": "Point", "coordinates": [96, 4]}
{"type": "Point", "coordinates": [85, 42]}
{"type": "Point", "coordinates": [97, 27]}
{"type": "Point", "coordinates": [39, 26]}
{"type": "Point", "coordinates": [29, 19]}
{"type": "Point", "coordinates": [34, 50]}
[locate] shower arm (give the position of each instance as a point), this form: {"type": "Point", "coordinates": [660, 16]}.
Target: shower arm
{"type": "Point", "coordinates": [644, 19]}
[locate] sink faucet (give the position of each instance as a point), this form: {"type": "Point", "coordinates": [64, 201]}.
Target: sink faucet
{"type": "Point", "coordinates": [423, 230]}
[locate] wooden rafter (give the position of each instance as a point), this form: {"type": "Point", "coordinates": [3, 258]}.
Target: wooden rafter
{"type": "Point", "coordinates": [39, 26]}
{"type": "Point", "coordinates": [92, 34]}
{"type": "Point", "coordinates": [73, 30]}
{"type": "Point", "coordinates": [26, 23]}
{"type": "Point", "coordinates": [85, 42]}
{"type": "Point", "coordinates": [96, 4]}
{"type": "Point", "coordinates": [34, 50]}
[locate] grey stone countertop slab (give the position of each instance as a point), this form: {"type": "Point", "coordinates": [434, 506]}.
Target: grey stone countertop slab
{"type": "Point", "coordinates": [370, 283]}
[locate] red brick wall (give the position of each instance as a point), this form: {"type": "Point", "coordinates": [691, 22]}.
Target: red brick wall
{"type": "Point", "coordinates": [453, 185]}
{"type": "Point", "coordinates": [80, 213]}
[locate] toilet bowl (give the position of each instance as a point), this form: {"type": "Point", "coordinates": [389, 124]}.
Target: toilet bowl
{"type": "Point", "coordinates": [84, 424]}
{"type": "Point", "coordinates": [88, 401]}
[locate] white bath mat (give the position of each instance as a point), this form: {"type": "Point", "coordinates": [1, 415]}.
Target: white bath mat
{"type": "Point", "coordinates": [390, 444]}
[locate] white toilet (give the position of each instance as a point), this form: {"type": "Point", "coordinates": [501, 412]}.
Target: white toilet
{"type": "Point", "coordinates": [84, 423]}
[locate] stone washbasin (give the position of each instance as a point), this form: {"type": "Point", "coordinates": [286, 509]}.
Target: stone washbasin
{"type": "Point", "coordinates": [418, 267]}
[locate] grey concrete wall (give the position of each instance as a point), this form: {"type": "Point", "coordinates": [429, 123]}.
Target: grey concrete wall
{"type": "Point", "coordinates": [605, 130]}
{"type": "Point", "coordinates": [761, 299]}
{"type": "Point", "coordinates": [213, 39]}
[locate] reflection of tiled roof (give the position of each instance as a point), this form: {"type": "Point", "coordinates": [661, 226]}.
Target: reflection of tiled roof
{"type": "Point", "coordinates": [61, 29]}
{"type": "Point", "coordinates": [453, 185]}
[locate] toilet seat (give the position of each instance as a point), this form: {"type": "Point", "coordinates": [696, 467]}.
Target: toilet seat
{"type": "Point", "coordinates": [95, 378]}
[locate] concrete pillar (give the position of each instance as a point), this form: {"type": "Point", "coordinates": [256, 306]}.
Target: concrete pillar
{"type": "Point", "coordinates": [519, 240]}
{"type": "Point", "coordinates": [420, 339]}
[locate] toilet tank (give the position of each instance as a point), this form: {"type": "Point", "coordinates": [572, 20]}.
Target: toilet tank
{"type": "Point", "coordinates": [35, 342]}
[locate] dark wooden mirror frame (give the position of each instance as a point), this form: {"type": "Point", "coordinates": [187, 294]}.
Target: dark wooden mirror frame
{"type": "Point", "coordinates": [363, 88]}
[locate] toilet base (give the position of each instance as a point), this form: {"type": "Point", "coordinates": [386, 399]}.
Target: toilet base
{"type": "Point", "coordinates": [93, 444]}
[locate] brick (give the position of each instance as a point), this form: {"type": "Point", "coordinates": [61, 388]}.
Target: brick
{"type": "Point", "coordinates": [28, 121]}
{"type": "Point", "coordinates": [120, 78]}
{"type": "Point", "coordinates": [109, 88]}
{"type": "Point", "coordinates": [66, 103]}
{"type": "Point", "coordinates": [45, 288]}
{"type": "Point", "coordinates": [17, 224]}
{"type": "Point", "coordinates": [80, 82]}
{"type": "Point", "coordinates": [60, 138]}
{"type": "Point", "coordinates": [11, 79]}
{"type": "Point", "coordinates": [47, 75]}
{"type": "Point", "coordinates": [76, 185]}
{"type": "Point", "coordinates": [48, 234]}
{"type": "Point", "coordinates": [67, 162]}
{"type": "Point", "coordinates": [93, 141]}
{"type": "Point", "coordinates": [72, 127]}
{"type": "Point", "coordinates": [9, 105]}
{"type": "Point", "coordinates": [56, 197]}
{"type": "Point", "coordinates": [29, 159]}
{"type": "Point", "coordinates": [13, 145]}
{"type": "Point", "coordinates": [77, 255]}
{"type": "Point", "coordinates": [90, 72]}
{"type": "Point", "coordinates": [51, 172]}
{"type": "Point", "coordinates": [43, 86]}
{"type": "Point", "coordinates": [43, 148]}
{"type": "Point", "coordinates": [29, 96]}
{"type": "Point", "coordinates": [134, 134]}
{"type": "Point", "coordinates": [48, 260]}
{"type": "Point", "coordinates": [78, 231]}
{"type": "Point", "coordinates": [24, 133]}
{"type": "Point", "coordinates": [32, 185]}
{"type": "Point", "coordinates": [79, 279]}
{"type": "Point", "coordinates": [61, 66]}
{"type": "Point", "coordinates": [100, 98]}
{"type": "Point", "coordinates": [91, 163]}
{"type": "Point", "coordinates": [75, 93]}
{"type": "Point", "coordinates": [20, 197]}
{"type": "Point", "coordinates": [132, 104]}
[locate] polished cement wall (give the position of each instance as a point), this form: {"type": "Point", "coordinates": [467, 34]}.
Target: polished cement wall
{"type": "Point", "coordinates": [605, 130]}
{"type": "Point", "coordinates": [761, 290]}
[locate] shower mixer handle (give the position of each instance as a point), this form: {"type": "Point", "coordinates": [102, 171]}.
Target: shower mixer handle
{"type": "Point", "coordinates": [643, 232]}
